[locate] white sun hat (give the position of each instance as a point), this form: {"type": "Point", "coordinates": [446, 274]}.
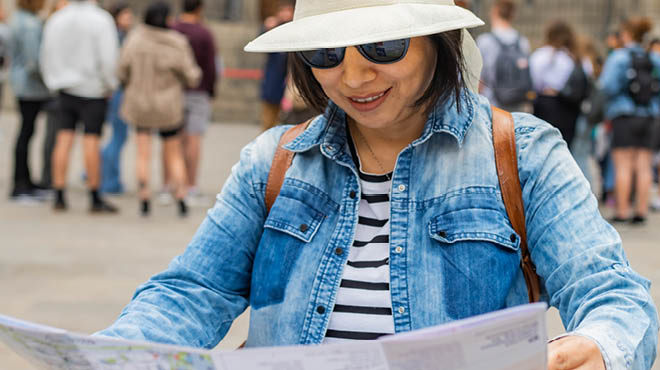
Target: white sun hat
{"type": "Point", "coordinates": [336, 23]}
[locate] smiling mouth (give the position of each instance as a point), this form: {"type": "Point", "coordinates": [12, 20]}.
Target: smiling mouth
{"type": "Point", "coordinates": [369, 99]}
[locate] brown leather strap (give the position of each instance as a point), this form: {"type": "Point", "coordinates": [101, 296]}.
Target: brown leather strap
{"type": "Point", "coordinates": [506, 160]}
{"type": "Point", "coordinates": [281, 162]}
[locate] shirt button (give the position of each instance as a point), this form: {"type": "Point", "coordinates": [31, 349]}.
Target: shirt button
{"type": "Point", "coordinates": [320, 310]}
{"type": "Point", "coordinates": [304, 228]}
{"type": "Point", "coordinates": [339, 251]}
{"type": "Point", "coordinates": [402, 310]}
{"type": "Point", "coordinates": [330, 148]}
{"type": "Point", "coordinates": [402, 188]}
{"type": "Point", "coordinates": [442, 234]}
{"type": "Point", "coordinates": [398, 249]}
{"type": "Point", "coordinates": [514, 237]}
{"type": "Point", "coordinates": [353, 195]}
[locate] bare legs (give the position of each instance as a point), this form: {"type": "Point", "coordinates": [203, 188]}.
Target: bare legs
{"type": "Point", "coordinates": [631, 162]}
{"type": "Point", "coordinates": [192, 152]}
{"type": "Point", "coordinates": [173, 166]}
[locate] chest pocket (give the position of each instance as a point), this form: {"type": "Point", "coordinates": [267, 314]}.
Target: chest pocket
{"type": "Point", "coordinates": [292, 224]}
{"type": "Point", "coordinates": [476, 251]}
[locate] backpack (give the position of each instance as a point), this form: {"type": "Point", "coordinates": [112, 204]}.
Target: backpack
{"type": "Point", "coordinates": [643, 82]}
{"type": "Point", "coordinates": [577, 88]}
{"type": "Point", "coordinates": [513, 82]}
{"type": "Point", "coordinates": [506, 162]}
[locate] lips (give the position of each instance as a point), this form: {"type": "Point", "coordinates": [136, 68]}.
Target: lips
{"type": "Point", "coordinates": [368, 102]}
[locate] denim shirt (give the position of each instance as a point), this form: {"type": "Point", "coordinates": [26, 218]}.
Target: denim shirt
{"type": "Point", "coordinates": [454, 253]}
{"type": "Point", "coordinates": [614, 82]}
{"type": "Point", "coordinates": [26, 31]}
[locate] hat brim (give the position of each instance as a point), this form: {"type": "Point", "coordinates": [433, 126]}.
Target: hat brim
{"type": "Point", "coordinates": [364, 25]}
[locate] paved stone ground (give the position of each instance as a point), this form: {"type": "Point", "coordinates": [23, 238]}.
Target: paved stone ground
{"type": "Point", "coordinates": [76, 271]}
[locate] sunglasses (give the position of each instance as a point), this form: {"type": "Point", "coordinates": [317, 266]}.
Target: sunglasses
{"type": "Point", "coordinates": [384, 52]}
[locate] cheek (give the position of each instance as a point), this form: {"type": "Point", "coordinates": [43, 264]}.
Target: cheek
{"type": "Point", "coordinates": [328, 79]}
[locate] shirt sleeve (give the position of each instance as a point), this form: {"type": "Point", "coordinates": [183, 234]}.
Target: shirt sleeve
{"type": "Point", "coordinates": [578, 255]}
{"type": "Point", "coordinates": [108, 53]}
{"type": "Point", "coordinates": [195, 301]}
{"type": "Point", "coordinates": [612, 79]}
{"type": "Point", "coordinates": [192, 74]}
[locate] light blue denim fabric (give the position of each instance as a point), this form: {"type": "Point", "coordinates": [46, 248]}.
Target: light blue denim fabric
{"type": "Point", "coordinates": [614, 82]}
{"type": "Point", "coordinates": [26, 29]}
{"type": "Point", "coordinates": [459, 255]}
{"type": "Point", "coordinates": [111, 154]}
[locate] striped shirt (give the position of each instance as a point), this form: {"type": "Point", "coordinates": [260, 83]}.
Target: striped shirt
{"type": "Point", "coordinates": [363, 307]}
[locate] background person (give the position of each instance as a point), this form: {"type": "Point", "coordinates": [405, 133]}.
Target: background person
{"type": "Point", "coordinates": [29, 89]}
{"type": "Point", "coordinates": [198, 98]}
{"type": "Point", "coordinates": [500, 39]}
{"type": "Point", "coordinates": [111, 155]}
{"type": "Point", "coordinates": [156, 66]}
{"type": "Point", "coordinates": [551, 67]}
{"type": "Point", "coordinates": [634, 122]}
{"type": "Point", "coordinates": [369, 235]}
{"type": "Point", "coordinates": [275, 71]}
{"type": "Point", "coordinates": [79, 57]}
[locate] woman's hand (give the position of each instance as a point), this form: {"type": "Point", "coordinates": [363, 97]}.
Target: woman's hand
{"type": "Point", "coordinates": [574, 352]}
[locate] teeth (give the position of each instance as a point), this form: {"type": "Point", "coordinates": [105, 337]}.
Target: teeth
{"type": "Point", "coordinates": [367, 100]}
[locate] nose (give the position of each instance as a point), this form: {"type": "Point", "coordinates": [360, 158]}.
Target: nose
{"type": "Point", "coordinates": [357, 70]}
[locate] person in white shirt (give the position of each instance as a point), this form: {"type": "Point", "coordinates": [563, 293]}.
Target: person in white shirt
{"type": "Point", "coordinates": [79, 56]}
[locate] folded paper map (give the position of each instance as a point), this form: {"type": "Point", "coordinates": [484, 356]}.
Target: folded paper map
{"type": "Point", "coordinates": [511, 339]}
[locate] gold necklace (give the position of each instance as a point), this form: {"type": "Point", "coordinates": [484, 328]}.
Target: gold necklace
{"type": "Point", "coordinates": [373, 155]}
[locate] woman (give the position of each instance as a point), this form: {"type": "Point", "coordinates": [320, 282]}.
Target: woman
{"type": "Point", "coordinates": [390, 217]}
{"type": "Point", "coordinates": [633, 120]}
{"type": "Point", "coordinates": [155, 67]}
{"type": "Point", "coordinates": [31, 93]}
{"type": "Point", "coordinates": [111, 154]}
{"type": "Point", "coordinates": [551, 67]}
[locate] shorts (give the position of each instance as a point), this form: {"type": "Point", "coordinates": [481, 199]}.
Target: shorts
{"type": "Point", "coordinates": [164, 134]}
{"type": "Point", "coordinates": [90, 112]}
{"type": "Point", "coordinates": [634, 132]}
{"type": "Point", "coordinates": [197, 112]}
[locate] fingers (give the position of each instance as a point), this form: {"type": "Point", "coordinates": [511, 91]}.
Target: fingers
{"type": "Point", "coordinates": [574, 353]}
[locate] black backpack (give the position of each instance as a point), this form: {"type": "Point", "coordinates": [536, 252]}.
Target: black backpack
{"type": "Point", "coordinates": [643, 82]}
{"type": "Point", "coordinates": [513, 82]}
{"type": "Point", "coordinates": [577, 87]}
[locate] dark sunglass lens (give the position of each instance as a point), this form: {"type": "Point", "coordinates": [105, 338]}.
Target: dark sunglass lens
{"type": "Point", "coordinates": [386, 51]}
{"type": "Point", "coordinates": [324, 58]}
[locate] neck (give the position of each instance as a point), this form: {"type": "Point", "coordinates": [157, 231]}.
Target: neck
{"type": "Point", "coordinates": [386, 143]}
{"type": "Point", "coordinates": [498, 23]}
{"type": "Point", "coordinates": [189, 17]}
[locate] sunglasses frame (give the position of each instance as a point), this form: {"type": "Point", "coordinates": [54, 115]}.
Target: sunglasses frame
{"type": "Point", "coordinates": [362, 52]}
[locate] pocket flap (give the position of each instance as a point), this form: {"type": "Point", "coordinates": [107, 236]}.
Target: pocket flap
{"type": "Point", "coordinates": [474, 224]}
{"type": "Point", "coordinates": [295, 218]}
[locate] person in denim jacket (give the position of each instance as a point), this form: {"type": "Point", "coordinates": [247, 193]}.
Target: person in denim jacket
{"type": "Point", "coordinates": [635, 126]}
{"type": "Point", "coordinates": [29, 88]}
{"type": "Point", "coordinates": [403, 112]}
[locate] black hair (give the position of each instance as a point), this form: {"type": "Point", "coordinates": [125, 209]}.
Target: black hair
{"type": "Point", "coordinates": [448, 78]}
{"type": "Point", "coordinates": [118, 7]}
{"type": "Point", "coordinates": [190, 6]}
{"type": "Point", "coordinates": [156, 14]}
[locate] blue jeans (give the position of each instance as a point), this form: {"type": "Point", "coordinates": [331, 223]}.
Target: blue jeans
{"type": "Point", "coordinates": [111, 154]}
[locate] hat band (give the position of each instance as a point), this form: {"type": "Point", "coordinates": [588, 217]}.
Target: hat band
{"type": "Point", "coordinates": [310, 8]}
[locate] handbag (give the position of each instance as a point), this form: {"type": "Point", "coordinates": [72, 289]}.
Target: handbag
{"type": "Point", "coordinates": [506, 161]}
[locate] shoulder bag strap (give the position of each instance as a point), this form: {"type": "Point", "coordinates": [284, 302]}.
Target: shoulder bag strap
{"type": "Point", "coordinates": [506, 160]}
{"type": "Point", "coordinates": [281, 162]}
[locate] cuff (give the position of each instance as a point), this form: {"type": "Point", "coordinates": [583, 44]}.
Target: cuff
{"type": "Point", "coordinates": [612, 350]}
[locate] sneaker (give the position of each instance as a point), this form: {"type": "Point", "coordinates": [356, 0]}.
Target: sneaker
{"type": "Point", "coordinates": [26, 197]}
{"type": "Point", "coordinates": [618, 220]}
{"type": "Point", "coordinates": [638, 220]}
{"type": "Point", "coordinates": [655, 204]}
{"type": "Point", "coordinates": [164, 198]}
{"type": "Point", "coordinates": [196, 199]}
{"type": "Point", "coordinates": [60, 206]}
{"type": "Point", "coordinates": [103, 207]}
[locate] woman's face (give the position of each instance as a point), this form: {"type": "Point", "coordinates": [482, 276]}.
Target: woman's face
{"type": "Point", "coordinates": [396, 86]}
{"type": "Point", "coordinates": [125, 19]}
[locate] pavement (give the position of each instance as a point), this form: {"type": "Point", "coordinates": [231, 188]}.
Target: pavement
{"type": "Point", "coordinates": [76, 271]}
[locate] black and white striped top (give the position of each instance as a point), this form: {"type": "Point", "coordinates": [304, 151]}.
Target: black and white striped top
{"type": "Point", "coordinates": [363, 308]}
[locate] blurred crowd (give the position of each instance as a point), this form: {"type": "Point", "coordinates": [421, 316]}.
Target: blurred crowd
{"type": "Point", "coordinates": [84, 66]}
{"type": "Point", "coordinates": [605, 104]}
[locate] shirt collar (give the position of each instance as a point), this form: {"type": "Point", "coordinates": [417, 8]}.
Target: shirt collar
{"type": "Point", "coordinates": [329, 130]}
